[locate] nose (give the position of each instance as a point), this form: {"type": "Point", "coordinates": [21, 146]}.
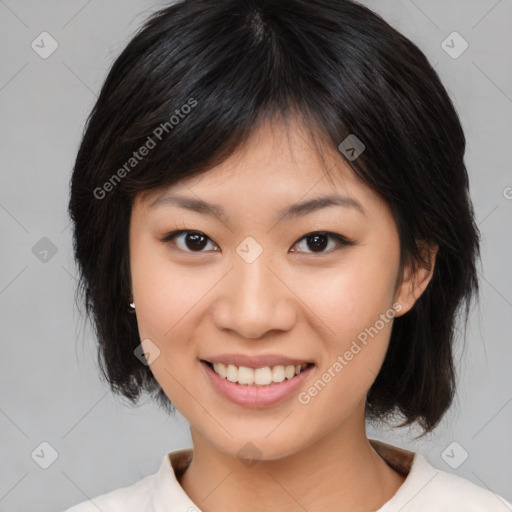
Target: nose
{"type": "Point", "coordinates": [255, 300]}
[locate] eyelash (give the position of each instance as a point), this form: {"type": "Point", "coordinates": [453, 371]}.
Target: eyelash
{"type": "Point", "coordinates": [342, 241]}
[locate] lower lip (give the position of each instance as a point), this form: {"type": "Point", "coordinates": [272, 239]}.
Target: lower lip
{"type": "Point", "coordinates": [255, 396]}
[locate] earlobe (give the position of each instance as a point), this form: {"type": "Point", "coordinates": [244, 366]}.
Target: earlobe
{"type": "Point", "coordinates": [416, 280]}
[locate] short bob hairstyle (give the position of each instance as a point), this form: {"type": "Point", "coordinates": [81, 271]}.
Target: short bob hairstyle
{"type": "Point", "coordinates": [189, 89]}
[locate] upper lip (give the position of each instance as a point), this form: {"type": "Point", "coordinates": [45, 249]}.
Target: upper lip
{"type": "Point", "coordinates": [256, 361]}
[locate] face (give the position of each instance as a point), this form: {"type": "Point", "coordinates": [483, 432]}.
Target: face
{"type": "Point", "coordinates": [247, 286]}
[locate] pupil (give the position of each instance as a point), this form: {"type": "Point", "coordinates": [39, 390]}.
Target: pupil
{"type": "Point", "coordinates": [195, 237]}
{"type": "Point", "coordinates": [319, 245]}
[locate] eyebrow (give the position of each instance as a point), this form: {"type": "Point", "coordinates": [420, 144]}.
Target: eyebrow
{"type": "Point", "coordinates": [293, 210]}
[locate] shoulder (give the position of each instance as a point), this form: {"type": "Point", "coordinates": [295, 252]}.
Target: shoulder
{"type": "Point", "coordinates": [434, 490]}
{"type": "Point", "coordinates": [449, 489]}
{"type": "Point", "coordinates": [136, 497]}
{"type": "Point", "coordinates": [428, 489]}
{"type": "Point", "coordinates": [155, 491]}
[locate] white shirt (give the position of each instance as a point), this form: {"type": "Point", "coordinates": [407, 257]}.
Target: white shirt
{"type": "Point", "coordinates": [425, 489]}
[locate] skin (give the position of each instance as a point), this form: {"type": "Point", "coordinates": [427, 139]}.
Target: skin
{"type": "Point", "coordinates": [291, 300]}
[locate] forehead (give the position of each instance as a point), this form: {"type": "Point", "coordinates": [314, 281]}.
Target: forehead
{"type": "Point", "coordinates": [277, 165]}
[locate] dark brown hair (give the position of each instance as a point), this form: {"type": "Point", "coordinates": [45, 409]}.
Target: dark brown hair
{"type": "Point", "coordinates": [192, 85]}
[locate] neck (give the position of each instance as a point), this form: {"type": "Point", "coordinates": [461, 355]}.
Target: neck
{"type": "Point", "coordinates": [340, 472]}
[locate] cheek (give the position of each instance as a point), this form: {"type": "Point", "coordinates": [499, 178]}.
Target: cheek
{"type": "Point", "coordinates": [354, 303]}
{"type": "Point", "coordinates": [166, 303]}
{"type": "Point", "coordinates": [352, 295]}
{"type": "Point", "coordinates": [164, 295]}
{"type": "Point", "coordinates": [357, 309]}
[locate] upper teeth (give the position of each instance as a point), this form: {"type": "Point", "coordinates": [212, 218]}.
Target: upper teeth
{"type": "Point", "coordinates": [260, 376]}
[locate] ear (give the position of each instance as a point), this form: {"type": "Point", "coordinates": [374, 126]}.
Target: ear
{"type": "Point", "coordinates": [416, 278]}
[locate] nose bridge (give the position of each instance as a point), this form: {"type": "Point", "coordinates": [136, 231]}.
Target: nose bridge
{"type": "Point", "coordinates": [255, 286]}
{"type": "Point", "coordinates": [252, 273]}
{"type": "Point", "coordinates": [258, 301]}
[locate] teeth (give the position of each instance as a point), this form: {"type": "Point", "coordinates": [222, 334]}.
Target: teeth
{"type": "Point", "coordinates": [263, 376]}
{"type": "Point", "coordinates": [289, 371]}
{"type": "Point", "coordinates": [278, 373]}
{"type": "Point", "coordinates": [260, 376]}
{"type": "Point", "coordinates": [245, 375]}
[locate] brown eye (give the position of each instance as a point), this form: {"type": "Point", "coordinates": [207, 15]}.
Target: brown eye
{"type": "Point", "coordinates": [319, 240]}
{"type": "Point", "coordinates": [188, 241]}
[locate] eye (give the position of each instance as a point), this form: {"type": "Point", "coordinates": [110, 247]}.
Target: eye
{"type": "Point", "coordinates": [318, 240]}
{"type": "Point", "coordinates": [196, 241]}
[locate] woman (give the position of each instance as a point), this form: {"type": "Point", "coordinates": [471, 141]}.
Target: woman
{"type": "Point", "coordinates": [274, 236]}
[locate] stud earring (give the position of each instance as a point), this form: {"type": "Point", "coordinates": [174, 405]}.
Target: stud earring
{"type": "Point", "coordinates": [132, 305]}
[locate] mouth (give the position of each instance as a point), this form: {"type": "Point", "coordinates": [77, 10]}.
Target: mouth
{"type": "Point", "coordinates": [258, 377]}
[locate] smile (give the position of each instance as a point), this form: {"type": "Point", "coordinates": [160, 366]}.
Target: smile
{"type": "Point", "coordinates": [256, 387]}
{"type": "Point", "coordinates": [264, 376]}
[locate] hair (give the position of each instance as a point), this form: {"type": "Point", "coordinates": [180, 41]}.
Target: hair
{"type": "Point", "coordinates": [193, 84]}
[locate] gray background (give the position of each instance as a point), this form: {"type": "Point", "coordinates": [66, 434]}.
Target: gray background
{"type": "Point", "coordinates": [50, 387]}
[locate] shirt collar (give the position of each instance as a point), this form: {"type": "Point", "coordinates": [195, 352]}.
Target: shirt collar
{"type": "Point", "coordinates": [169, 491]}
